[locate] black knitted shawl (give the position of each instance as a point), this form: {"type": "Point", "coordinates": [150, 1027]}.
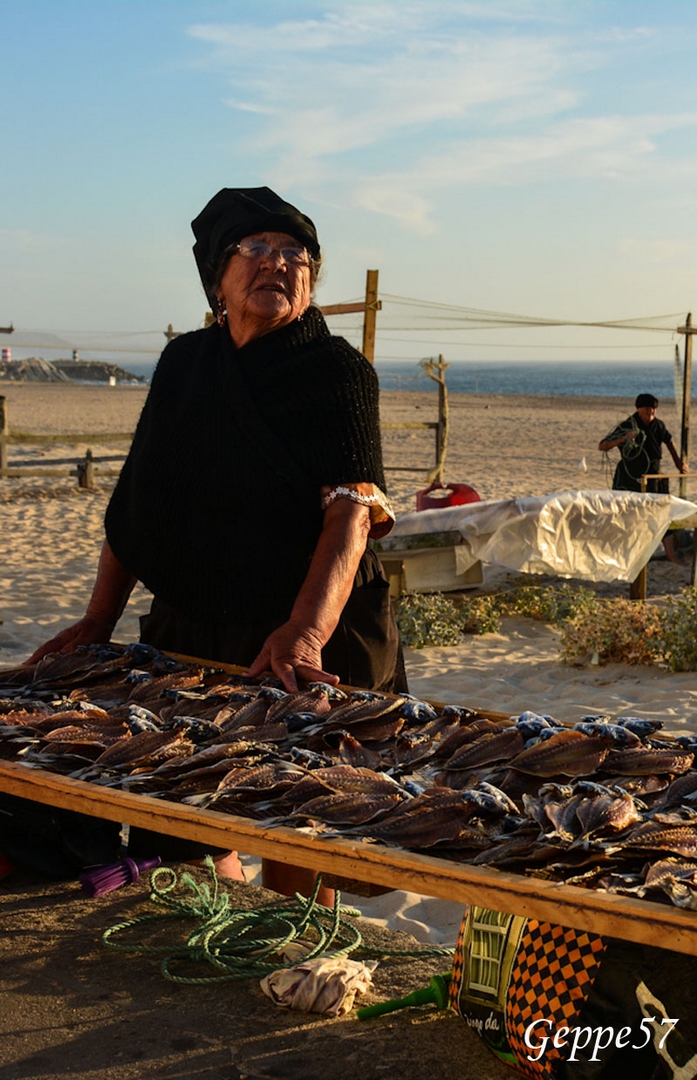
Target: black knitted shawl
{"type": "Point", "coordinates": [217, 509]}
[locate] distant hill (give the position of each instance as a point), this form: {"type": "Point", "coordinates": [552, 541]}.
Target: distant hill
{"type": "Point", "coordinates": [35, 369]}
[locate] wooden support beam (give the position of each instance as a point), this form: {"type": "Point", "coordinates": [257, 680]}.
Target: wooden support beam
{"type": "Point", "coordinates": [637, 588]}
{"type": "Point", "coordinates": [372, 306]}
{"type": "Point", "coordinates": [585, 909]}
{"type": "Point", "coordinates": [688, 330]}
{"type": "Point", "coordinates": [343, 309]}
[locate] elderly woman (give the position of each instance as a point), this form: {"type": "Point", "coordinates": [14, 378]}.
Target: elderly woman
{"type": "Point", "coordinates": [255, 476]}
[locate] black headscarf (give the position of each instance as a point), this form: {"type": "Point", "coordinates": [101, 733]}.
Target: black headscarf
{"type": "Point", "coordinates": [237, 212]}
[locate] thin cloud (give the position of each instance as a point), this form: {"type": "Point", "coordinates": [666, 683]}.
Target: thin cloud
{"type": "Point", "coordinates": [490, 93]}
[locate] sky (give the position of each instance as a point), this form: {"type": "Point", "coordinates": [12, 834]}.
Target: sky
{"type": "Point", "coordinates": [534, 157]}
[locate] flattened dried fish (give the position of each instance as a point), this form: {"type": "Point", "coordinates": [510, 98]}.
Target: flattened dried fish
{"type": "Point", "coordinates": [642, 760]}
{"type": "Point", "coordinates": [347, 808]}
{"type": "Point", "coordinates": [489, 747]}
{"type": "Point", "coordinates": [136, 750]}
{"type": "Point", "coordinates": [568, 753]}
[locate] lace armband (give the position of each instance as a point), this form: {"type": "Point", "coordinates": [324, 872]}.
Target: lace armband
{"type": "Point", "coordinates": [382, 516]}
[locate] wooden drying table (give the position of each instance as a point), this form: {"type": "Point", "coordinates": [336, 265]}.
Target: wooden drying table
{"type": "Point", "coordinates": [569, 905]}
{"type": "Point", "coordinates": [598, 912]}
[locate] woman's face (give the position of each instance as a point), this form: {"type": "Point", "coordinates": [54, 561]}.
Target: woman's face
{"type": "Point", "coordinates": [264, 294]}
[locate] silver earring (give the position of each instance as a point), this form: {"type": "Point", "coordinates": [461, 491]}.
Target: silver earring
{"type": "Point", "coordinates": [221, 313]}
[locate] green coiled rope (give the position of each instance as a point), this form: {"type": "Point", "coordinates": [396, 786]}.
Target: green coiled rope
{"type": "Point", "coordinates": [245, 943]}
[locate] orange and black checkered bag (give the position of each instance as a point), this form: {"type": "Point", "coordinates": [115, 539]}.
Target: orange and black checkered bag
{"type": "Point", "coordinates": [510, 973]}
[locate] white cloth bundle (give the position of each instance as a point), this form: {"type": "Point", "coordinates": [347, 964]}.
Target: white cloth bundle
{"type": "Point", "coordinates": [326, 985]}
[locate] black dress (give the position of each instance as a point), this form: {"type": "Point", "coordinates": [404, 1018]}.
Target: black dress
{"type": "Point", "coordinates": [217, 510]}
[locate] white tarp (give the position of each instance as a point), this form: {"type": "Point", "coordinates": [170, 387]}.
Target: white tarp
{"type": "Point", "coordinates": [594, 535]}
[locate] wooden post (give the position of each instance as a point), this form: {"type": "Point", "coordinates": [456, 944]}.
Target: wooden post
{"type": "Point", "coordinates": [4, 432]}
{"type": "Point", "coordinates": [688, 330]}
{"type": "Point", "coordinates": [437, 373]}
{"type": "Point", "coordinates": [637, 588]}
{"type": "Point", "coordinates": [372, 306]}
{"type": "Point", "coordinates": [85, 472]}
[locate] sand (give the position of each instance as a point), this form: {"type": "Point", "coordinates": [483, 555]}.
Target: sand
{"type": "Point", "coordinates": [73, 1010]}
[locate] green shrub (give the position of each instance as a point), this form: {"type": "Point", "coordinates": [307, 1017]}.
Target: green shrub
{"type": "Point", "coordinates": [678, 631]}
{"type": "Point", "coordinates": [620, 631]}
{"type": "Point", "coordinates": [481, 615]}
{"type": "Point", "coordinates": [428, 619]}
{"type": "Point", "coordinates": [592, 628]}
{"type": "Point", "coordinates": [547, 603]}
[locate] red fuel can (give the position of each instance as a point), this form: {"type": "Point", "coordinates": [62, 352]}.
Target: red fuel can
{"type": "Point", "coordinates": [437, 496]}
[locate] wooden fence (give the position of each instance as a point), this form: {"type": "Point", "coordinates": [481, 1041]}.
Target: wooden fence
{"type": "Point", "coordinates": [84, 467]}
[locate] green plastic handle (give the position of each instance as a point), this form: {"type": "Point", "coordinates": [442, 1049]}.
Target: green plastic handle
{"type": "Point", "coordinates": [436, 993]}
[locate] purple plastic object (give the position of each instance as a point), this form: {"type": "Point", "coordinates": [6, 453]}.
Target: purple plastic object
{"type": "Point", "coordinates": [103, 879]}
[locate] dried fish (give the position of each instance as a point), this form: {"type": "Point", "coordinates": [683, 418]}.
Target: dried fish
{"type": "Point", "coordinates": [347, 808]}
{"type": "Point", "coordinates": [489, 747]}
{"type": "Point", "coordinates": [566, 753]}
{"type": "Point", "coordinates": [146, 748]}
{"type": "Point", "coordinates": [639, 761]}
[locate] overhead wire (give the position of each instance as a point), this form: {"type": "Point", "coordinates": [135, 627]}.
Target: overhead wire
{"type": "Point", "coordinates": [398, 315]}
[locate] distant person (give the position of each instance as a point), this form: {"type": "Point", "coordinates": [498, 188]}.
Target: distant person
{"type": "Point", "coordinates": [640, 440]}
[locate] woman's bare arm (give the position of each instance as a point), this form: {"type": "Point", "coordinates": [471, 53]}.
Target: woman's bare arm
{"type": "Point", "coordinates": [680, 465]}
{"type": "Point", "coordinates": [295, 648]}
{"type": "Point", "coordinates": [112, 588]}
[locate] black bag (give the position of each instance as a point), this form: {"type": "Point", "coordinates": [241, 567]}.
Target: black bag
{"type": "Point", "coordinates": [562, 1004]}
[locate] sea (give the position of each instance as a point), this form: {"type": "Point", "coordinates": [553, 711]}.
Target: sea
{"type": "Point", "coordinates": [573, 378]}
{"type": "Point", "coordinates": [598, 378]}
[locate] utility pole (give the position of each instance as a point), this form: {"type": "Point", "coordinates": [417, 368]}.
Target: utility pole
{"type": "Point", "coordinates": [688, 330]}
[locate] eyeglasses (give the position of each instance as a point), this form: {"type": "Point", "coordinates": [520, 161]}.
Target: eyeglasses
{"type": "Point", "coordinates": [259, 249]}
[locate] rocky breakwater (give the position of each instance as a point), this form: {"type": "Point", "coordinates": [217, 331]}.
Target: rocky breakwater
{"type": "Point", "coordinates": [36, 369]}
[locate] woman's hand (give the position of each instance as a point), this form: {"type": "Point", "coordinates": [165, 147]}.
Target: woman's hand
{"type": "Point", "coordinates": [87, 631]}
{"type": "Point", "coordinates": [295, 648]}
{"type": "Point", "coordinates": [291, 652]}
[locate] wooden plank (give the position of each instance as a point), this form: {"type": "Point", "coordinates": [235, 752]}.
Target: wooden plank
{"type": "Point", "coordinates": [343, 309]}
{"type": "Point", "coordinates": [70, 439]}
{"type": "Point", "coordinates": [568, 905]}
{"type": "Point", "coordinates": [18, 473]}
{"type": "Point", "coordinates": [409, 425]}
{"type": "Point", "coordinates": [406, 468]}
{"type": "Point", "coordinates": [38, 463]}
